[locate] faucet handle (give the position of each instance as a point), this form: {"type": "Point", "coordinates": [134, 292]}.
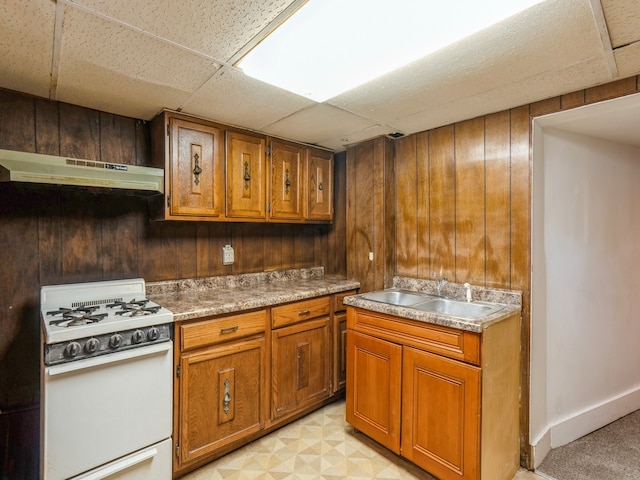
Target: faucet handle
{"type": "Point", "coordinates": [467, 287]}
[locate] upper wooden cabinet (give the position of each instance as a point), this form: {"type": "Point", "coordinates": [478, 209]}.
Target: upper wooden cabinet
{"type": "Point", "coordinates": [219, 173]}
{"type": "Point", "coordinates": [246, 194]}
{"type": "Point", "coordinates": [287, 187]}
{"type": "Point", "coordinates": [319, 185]}
{"type": "Point", "coordinates": [192, 155]}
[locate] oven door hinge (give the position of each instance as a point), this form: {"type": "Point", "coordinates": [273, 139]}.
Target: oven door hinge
{"type": "Point", "coordinates": [178, 370]}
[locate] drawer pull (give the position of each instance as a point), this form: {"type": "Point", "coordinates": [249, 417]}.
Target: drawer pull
{"type": "Point", "coordinates": [228, 330]}
{"type": "Point", "coordinates": [304, 312]}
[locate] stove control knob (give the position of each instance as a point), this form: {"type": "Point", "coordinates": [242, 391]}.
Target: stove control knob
{"type": "Point", "coordinates": [72, 350]}
{"type": "Point", "coordinates": [115, 341]}
{"type": "Point", "coordinates": [92, 345]}
{"type": "Point", "coordinates": [138, 336]}
{"type": "Point", "coordinates": [153, 333]}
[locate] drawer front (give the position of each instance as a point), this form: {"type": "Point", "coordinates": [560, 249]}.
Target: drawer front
{"type": "Point", "coordinates": [450, 342]}
{"type": "Point", "coordinates": [340, 306]}
{"type": "Point", "coordinates": [300, 311]}
{"type": "Point", "coordinates": [223, 329]}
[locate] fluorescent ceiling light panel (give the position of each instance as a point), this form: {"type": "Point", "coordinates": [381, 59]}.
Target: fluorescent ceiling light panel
{"type": "Point", "coordinates": [331, 46]}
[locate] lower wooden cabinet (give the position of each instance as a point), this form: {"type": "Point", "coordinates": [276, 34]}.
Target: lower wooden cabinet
{"type": "Point", "coordinates": [440, 414]}
{"type": "Point", "coordinates": [242, 375]}
{"type": "Point", "coordinates": [220, 396]}
{"type": "Point", "coordinates": [300, 365]}
{"type": "Point", "coordinates": [373, 388]}
{"type": "Point", "coordinates": [445, 399]}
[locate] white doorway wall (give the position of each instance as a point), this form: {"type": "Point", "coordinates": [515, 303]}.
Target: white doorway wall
{"type": "Point", "coordinates": [585, 300]}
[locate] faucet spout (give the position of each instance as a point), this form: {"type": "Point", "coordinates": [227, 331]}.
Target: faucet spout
{"type": "Point", "coordinates": [439, 283]}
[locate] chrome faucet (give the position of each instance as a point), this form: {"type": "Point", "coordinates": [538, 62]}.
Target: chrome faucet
{"type": "Point", "coordinates": [439, 283]}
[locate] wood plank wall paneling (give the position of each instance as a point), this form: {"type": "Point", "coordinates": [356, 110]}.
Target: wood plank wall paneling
{"type": "Point", "coordinates": [52, 235]}
{"type": "Point", "coordinates": [470, 202]}
{"type": "Point", "coordinates": [406, 207]}
{"type": "Point", "coordinates": [442, 210]}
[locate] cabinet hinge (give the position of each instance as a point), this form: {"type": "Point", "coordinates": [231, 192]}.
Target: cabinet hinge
{"type": "Point", "coordinates": [269, 207]}
{"type": "Point", "coordinates": [268, 150]}
{"type": "Point", "coordinates": [168, 129]}
{"type": "Point", "coordinates": [177, 450]}
{"type": "Point", "coordinates": [168, 201]}
{"type": "Point", "coordinates": [178, 370]}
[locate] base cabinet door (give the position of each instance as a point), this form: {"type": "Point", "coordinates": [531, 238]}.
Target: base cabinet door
{"type": "Point", "coordinates": [220, 396]}
{"type": "Point", "coordinates": [301, 371]}
{"type": "Point", "coordinates": [441, 414]}
{"type": "Point", "coordinates": [374, 369]}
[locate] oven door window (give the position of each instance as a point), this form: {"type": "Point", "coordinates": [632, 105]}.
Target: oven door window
{"type": "Point", "coordinates": [106, 407]}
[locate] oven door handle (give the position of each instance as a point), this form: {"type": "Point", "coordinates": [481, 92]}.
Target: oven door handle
{"type": "Point", "coordinates": [109, 358]}
{"type": "Point", "coordinates": [124, 464]}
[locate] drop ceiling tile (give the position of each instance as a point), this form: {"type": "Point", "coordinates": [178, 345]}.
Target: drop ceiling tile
{"type": "Point", "coordinates": [317, 123]}
{"type": "Point", "coordinates": [508, 53]}
{"type": "Point", "coordinates": [26, 45]}
{"type": "Point", "coordinates": [623, 21]}
{"type": "Point", "coordinates": [548, 84]}
{"type": "Point", "coordinates": [108, 67]}
{"type": "Point", "coordinates": [338, 144]}
{"type": "Point", "coordinates": [628, 60]}
{"type": "Point", "coordinates": [233, 98]}
{"type": "Point", "coordinates": [215, 28]}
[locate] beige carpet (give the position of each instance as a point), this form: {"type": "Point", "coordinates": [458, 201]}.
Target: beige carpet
{"type": "Point", "coordinates": [610, 453]}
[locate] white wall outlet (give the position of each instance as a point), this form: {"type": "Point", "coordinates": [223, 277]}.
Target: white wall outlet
{"type": "Point", "coordinates": [228, 255]}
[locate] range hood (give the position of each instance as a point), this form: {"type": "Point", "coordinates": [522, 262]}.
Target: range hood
{"type": "Point", "coordinates": [38, 168]}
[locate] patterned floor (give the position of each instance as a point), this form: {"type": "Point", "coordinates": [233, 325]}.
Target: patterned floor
{"type": "Point", "coordinates": [320, 446]}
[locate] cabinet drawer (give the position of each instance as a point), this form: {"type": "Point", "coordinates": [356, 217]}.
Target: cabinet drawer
{"type": "Point", "coordinates": [223, 329]}
{"type": "Point", "coordinates": [340, 306]}
{"type": "Point", "coordinates": [450, 342]}
{"type": "Point", "coordinates": [299, 311]}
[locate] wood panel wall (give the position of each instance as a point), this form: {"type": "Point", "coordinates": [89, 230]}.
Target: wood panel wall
{"type": "Point", "coordinates": [463, 204]}
{"type": "Point", "coordinates": [52, 235]}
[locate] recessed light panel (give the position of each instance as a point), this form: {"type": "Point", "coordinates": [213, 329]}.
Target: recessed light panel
{"type": "Point", "coordinates": [331, 46]}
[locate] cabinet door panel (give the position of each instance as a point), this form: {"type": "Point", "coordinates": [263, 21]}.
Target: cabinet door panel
{"type": "Point", "coordinates": [220, 396]}
{"type": "Point", "coordinates": [441, 415]}
{"type": "Point", "coordinates": [320, 185]}
{"type": "Point", "coordinates": [197, 170]}
{"type": "Point", "coordinates": [374, 368]}
{"type": "Point", "coordinates": [286, 181]}
{"type": "Point", "coordinates": [300, 368]}
{"type": "Point", "coordinates": [246, 196]}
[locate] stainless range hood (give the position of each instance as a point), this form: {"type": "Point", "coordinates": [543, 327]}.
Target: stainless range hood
{"type": "Point", "coordinates": [38, 168]}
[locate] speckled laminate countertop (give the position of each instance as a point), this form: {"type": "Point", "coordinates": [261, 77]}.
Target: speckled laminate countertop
{"type": "Point", "coordinates": [511, 301]}
{"type": "Point", "coordinates": [197, 298]}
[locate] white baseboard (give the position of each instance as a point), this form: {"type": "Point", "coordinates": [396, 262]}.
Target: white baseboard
{"type": "Point", "coordinates": [584, 422]}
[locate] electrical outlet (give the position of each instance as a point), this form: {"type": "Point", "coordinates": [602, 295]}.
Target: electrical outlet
{"type": "Point", "coordinates": [228, 256]}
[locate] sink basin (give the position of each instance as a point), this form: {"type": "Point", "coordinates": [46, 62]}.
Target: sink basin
{"type": "Point", "coordinates": [455, 308]}
{"type": "Point", "coordinates": [401, 298]}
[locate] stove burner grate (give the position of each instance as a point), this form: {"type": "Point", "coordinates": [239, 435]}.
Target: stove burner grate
{"type": "Point", "coordinates": [76, 316]}
{"type": "Point", "coordinates": [134, 308]}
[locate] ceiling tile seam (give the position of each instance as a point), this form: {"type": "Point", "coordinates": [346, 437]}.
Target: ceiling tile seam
{"type": "Point", "coordinates": [57, 46]}
{"type": "Point", "coordinates": [605, 39]}
{"type": "Point", "coordinates": [630, 44]}
{"type": "Point", "coordinates": [144, 32]}
{"type": "Point", "coordinates": [217, 73]}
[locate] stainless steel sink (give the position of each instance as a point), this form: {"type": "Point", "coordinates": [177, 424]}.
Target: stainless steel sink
{"type": "Point", "coordinates": [456, 308]}
{"type": "Point", "coordinates": [400, 298]}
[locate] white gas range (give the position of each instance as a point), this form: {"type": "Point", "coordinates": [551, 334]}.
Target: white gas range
{"type": "Point", "coordinates": [107, 378]}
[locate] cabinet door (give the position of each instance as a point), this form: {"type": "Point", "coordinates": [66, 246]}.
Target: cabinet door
{"type": "Point", "coordinates": [246, 197]}
{"type": "Point", "coordinates": [374, 369]}
{"type": "Point", "coordinates": [319, 185]}
{"type": "Point", "coordinates": [441, 415]}
{"type": "Point", "coordinates": [196, 170]}
{"type": "Point", "coordinates": [300, 368]}
{"type": "Point", "coordinates": [339, 351]}
{"type": "Point", "coordinates": [220, 396]}
{"type": "Point", "coordinates": [286, 181]}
